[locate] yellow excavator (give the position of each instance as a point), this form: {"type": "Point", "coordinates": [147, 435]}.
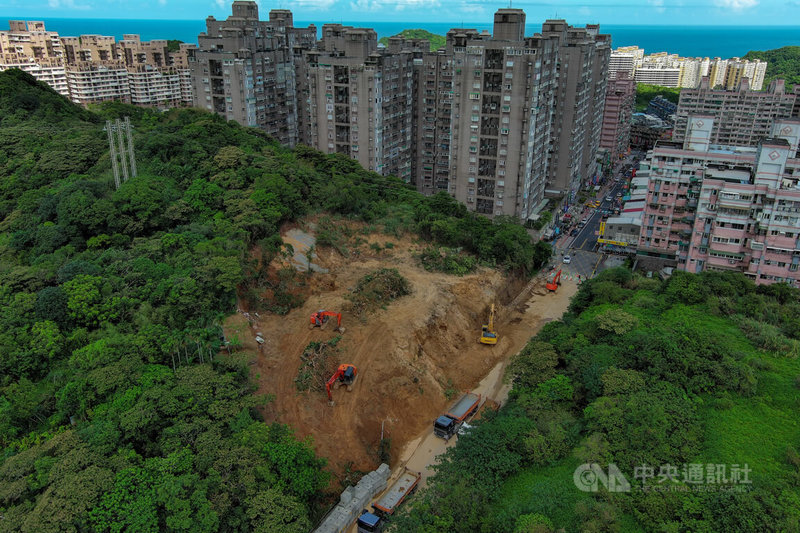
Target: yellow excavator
{"type": "Point", "coordinates": [488, 334]}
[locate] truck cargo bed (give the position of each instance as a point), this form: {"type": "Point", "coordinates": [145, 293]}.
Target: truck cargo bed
{"type": "Point", "coordinates": [464, 406]}
{"type": "Point", "coordinates": [397, 492]}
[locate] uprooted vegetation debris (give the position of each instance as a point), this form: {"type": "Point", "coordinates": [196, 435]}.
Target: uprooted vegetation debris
{"type": "Point", "coordinates": [377, 289]}
{"type": "Point", "coordinates": [319, 362]}
{"type": "Point", "coordinates": [448, 260]}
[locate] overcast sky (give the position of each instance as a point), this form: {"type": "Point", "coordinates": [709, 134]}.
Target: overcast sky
{"type": "Point", "coordinates": [661, 12]}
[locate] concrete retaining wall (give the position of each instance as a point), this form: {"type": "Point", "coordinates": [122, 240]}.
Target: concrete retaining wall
{"type": "Point", "coordinates": [353, 500]}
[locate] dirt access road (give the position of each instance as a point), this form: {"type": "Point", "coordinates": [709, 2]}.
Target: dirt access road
{"type": "Point", "coordinates": [411, 355]}
{"type": "Point", "coordinates": [542, 307]}
{"type": "Point", "coordinates": [535, 311]}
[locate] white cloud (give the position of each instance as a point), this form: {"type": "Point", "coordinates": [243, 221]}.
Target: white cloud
{"type": "Point", "coordinates": [222, 4]}
{"type": "Point", "coordinates": [737, 5]}
{"type": "Point", "coordinates": [658, 5]}
{"type": "Point", "coordinates": [397, 5]}
{"type": "Point", "coordinates": [68, 4]}
{"type": "Point", "coordinates": [162, 2]}
{"type": "Point", "coordinates": [320, 5]}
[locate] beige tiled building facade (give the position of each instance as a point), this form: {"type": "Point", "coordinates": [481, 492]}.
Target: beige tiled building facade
{"type": "Point", "coordinates": [96, 68]}
{"type": "Point", "coordinates": [500, 121]}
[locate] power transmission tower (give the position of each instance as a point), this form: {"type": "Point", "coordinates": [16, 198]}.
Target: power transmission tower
{"type": "Point", "coordinates": [120, 145]}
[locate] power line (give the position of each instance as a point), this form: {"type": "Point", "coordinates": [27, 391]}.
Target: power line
{"type": "Point", "coordinates": [120, 145]}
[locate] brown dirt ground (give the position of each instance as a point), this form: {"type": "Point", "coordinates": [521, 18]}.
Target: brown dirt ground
{"type": "Point", "coordinates": [407, 355]}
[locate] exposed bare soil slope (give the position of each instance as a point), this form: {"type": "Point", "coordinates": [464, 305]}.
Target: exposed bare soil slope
{"type": "Point", "coordinates": [408, 354]}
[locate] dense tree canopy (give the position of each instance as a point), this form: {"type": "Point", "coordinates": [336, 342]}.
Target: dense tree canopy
{"type": "Point", "coordinates": [695, 372]}
{"type": "Point", "coordinates": [645, 93]}
{"type": "Point", "coordinates": [782, 63]}
{"type": "Point", "coordinates": [118, 409]}
{"type": "Point", "coordinates": [436, 41]}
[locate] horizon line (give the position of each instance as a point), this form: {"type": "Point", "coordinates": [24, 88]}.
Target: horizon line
{"type": "Point", "coordinates": [459, 23]}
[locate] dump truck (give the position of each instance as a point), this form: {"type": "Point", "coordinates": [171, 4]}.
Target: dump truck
{"type": "Point", "coordinates": [447, 424]}
{"type": "Point", "coordinates": [406, 484]}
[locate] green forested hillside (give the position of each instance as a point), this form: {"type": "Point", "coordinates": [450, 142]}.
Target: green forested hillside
{"type": "Point", "coordinates": [781, 63]}
{"type": "Point", "coordinates": [682, 384]}
{"type": "Point", "coordinates": [436, 41]}
{"type": "Point", "coordinates": [645, 93]}
{"type": "Point", "coordinates": [119, 411]}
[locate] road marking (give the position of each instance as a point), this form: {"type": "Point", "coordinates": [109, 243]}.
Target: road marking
{"type": "Point", "coordinates": [596, 265]}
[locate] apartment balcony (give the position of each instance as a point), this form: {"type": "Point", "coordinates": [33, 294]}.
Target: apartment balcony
{"type": "Point", "coordinates": [775, 270]}
{"type": "Point", "coordinates": [728, 248]}
{"type": "Point", "coordinates": [780, 241]}
{"type": "Point", "coordinates": [733, 203]}
{"type": "Point", "coordinates": [679, 226]}
{"type": "Point", "coordinates": [725, 263]}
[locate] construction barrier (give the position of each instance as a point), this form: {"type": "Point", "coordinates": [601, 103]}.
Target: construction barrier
{"type": "Point", "coordinates": [353, 500]}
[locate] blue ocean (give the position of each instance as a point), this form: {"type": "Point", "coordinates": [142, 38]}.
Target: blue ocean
{"type": "Point", "coordinates": [688, 41]}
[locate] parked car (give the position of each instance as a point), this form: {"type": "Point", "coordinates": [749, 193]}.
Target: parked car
{"type": "Point", "coordinates": [574, 232]}
{"type": "Point", "coordinates": [567, 259]}
{"type": "Point", "coordinates": [608, 198]}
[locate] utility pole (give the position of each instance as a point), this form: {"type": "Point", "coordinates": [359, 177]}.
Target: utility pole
{"type": "Point", "coordinates": [120, 145]}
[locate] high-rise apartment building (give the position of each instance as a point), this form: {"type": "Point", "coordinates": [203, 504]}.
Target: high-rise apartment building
{"type": "Point", "coordinates": [726, 208]}
{"type": "Point", "coordinates": [29, 47]}
{"type": "Point", "coordinates": [622, 62]}
{"type": "Point", "coordinates": [156, 76]}
{"type": "Point", "coordinates": [692, 70]}
{"type": "Point", "coordinates": [487, 119]}
{"type": "Point", "coordinates": [617, 113]}
{"type": "Point", "coordinates": [360, 99]}
{"type": "Point", "coordinates": [95, 68]}
{"type": "Point", "coordinates": [741, 117]}
{"type": "Point", "coordinates": [583, 56]}
{"type": "Point", "coordinates": [671, 70]}
{"type": "Point", "coordinates": [434, 105]}
{"type": "Point", "coordinates": [244, 69]}
{"type": "Point", "coordinates": [738, 69]}
{"type": "Point", "coordinates": [498, 134]}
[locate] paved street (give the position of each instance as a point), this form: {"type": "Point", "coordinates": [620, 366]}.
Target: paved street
{"type": "Point", "coordinates": [584, 261]}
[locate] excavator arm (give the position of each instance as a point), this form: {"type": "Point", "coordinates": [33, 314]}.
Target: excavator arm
{"type": "Point", "coordinates": [333, 314]}
{"type": "Point", "coordinates": [488, 334]}
{"type": "Point", "coordinates": [552, 285]}
{"type": "Point", "coordinates": [320, 318]}
{"type": "Point", "coordinates": [336, 375]}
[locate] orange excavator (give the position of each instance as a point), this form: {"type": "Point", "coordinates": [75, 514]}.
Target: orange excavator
{"type": "Point", "coordinates": [321, 317]}
{"type": "Point", "coordinates": [345, 375]}
{"type": "Point", "coordinates": [553, 281]}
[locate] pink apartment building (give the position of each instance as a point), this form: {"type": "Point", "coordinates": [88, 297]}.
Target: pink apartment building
{"type": "Point", "coordinates": [615, 134]}
{"type": "Point", "coordinates": [725, 208]}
